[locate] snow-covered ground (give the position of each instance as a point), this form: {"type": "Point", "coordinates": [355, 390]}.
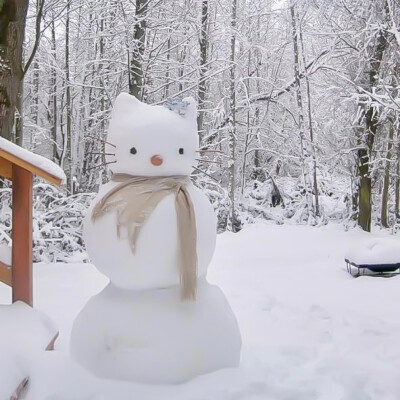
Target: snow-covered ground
{"type": "Point", "coordinates": [309, 330]}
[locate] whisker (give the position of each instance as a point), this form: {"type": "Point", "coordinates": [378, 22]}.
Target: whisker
{"type": "Point", "coordinates": [104, 154]}
{"type": "Point", "coordinates": [101, 165]}
{"type": "Point", "coordinates": [216, 152]}
{"type": "Point", "coordinates": [209, 161]}
{"type": "Point", "coordinates": [101, 140]}
{"type": "Point", "coordinates": [209, 151]}
{"type": "Point", "coordinates": [205, 173]}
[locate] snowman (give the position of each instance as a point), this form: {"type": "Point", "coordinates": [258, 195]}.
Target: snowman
{"type": "Point", "coordinates": [153, 233]}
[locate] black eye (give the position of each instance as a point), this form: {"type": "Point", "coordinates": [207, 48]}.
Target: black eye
{"type": "Point", "coordinates": [133, 150]}
{"type": "Point", "coordinates": [181, 150]}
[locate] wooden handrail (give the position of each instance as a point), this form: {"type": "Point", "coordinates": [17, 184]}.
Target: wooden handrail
{"type": "Point", "coordinates": [29, 167]}
{"type": "Point", "coordinates": [5, 168]}
{"type": "Point", "coordinates": [5, 274]}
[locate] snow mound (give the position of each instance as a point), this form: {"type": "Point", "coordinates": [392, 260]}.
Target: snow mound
{"type": "Point", "coordinates": [24, 332]}
{"type": "Point", "coordinates": [5, 253]}
{"type": "Point", "coordinates": [374, 251]}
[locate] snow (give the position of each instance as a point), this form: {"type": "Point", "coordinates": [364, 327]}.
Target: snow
{"type": "Point", "coordinates": [5, 253]}
{"type": "Point", "coordinates": [24, 332]}
{"type": "Point", "coordinates": [309, 330]}
{"type": "Point", "coordinates": [374, 251]}
{"type": "Point", "coordinates": [35, 159]}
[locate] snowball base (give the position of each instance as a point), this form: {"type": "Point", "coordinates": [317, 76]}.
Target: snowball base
{"type": "Point", "coordinates": [151, 336]}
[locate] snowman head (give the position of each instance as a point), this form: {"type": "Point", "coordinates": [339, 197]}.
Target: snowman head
{"type": "Point", "coordinates": [152, 140]}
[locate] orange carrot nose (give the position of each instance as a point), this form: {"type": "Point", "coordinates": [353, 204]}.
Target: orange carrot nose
{"type": "Point", "coordinates": [156, 160]}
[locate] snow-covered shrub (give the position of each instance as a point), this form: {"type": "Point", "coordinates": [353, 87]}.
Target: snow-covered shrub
{"type": "Point", "coordinates": [218, 198]}
{"type": "Point", "coordinates": [284, 198]}
{"type": "Point", "coordinates": [57, 223]}
{"type": "Point", "coordinates": [220, 201]}
{"type": "Point", "coordinates": [263, 199]}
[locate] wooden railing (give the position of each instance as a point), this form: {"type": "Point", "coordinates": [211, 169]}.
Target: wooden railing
{"type": "Point", "coordinates": [5, 274]}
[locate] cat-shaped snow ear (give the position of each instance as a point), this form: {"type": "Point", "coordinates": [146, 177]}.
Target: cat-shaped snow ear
{"type": "Point", "coordinates": [191, 110]}
{"type": "Point", "coordinates": [125, 103]}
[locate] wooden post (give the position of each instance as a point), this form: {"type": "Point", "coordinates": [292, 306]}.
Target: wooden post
{"type": "Point", "coordinates": [22, 235]}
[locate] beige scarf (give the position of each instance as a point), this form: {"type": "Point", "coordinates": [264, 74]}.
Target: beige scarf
{"type": "Point", "coordinates": [135, 198]}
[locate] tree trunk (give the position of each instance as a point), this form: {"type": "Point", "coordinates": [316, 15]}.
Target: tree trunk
{"type": "Point", "coordinates": [12, 27]}
{"type": "Point", "coordinates": [53, 96]}
{"type": "Point", "coordinates": [247, 141]}
{"type": "Point", "coordinates": [232, 131]}
{"type": "Point", "coordinates": [364, 202]}
{"type": "Point", "coordinates": [245, 151]}
{"type": "Point", "coordinates": [68, 108]}
{"type": "Point", "coordinates": [386, 179]}
{"type": "Point", "coordinates": [34, 106]}
{"type": "Point", "coordinates": [371, 128]}
{"type": "Point", "coordinates": [310, 126]}
{"type": "Point", "coordinates": [257, 121]}
{"type": "Point", "coordinates": [136, 64]}
{"type": "Point", "coordinates": [303, 151]}
{"type": "Point", "coordinates": [19, 138]}
{"type": "Point", "coordinates": [167, 71]}
{"type": "Point", "coordinates": [203, 66]}
{"type": "Point", "coordinates": [397, 187]}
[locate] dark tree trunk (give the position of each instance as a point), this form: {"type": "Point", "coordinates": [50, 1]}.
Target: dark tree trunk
{"type": "Point", "coordinates": [364, 194]}
{"type": "Point", "coordinates": [371, 128]}
{"type": "Point", "coordinates": [397, 186]}
{"type": "Point", "coordinates": [136, 78]}
{"type": "Point", "coordinates": [18, 115]}
{"type": "Point", "coordinates": [12, 27]}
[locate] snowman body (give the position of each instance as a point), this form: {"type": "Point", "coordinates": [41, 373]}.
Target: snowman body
{"type": "Point", "coordinates": [138, 328]}
{"type": "Point", "coordinates": [154, 263]}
